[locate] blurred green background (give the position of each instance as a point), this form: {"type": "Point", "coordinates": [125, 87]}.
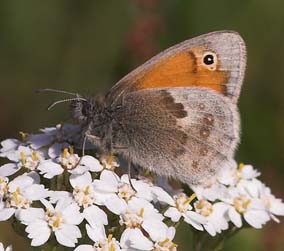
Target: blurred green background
{"type": "Point", "coordinates": [86, 46]}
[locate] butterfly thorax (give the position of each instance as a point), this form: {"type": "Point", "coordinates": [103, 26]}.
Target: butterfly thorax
{"type": "Point", "coordinates": [95, 119]}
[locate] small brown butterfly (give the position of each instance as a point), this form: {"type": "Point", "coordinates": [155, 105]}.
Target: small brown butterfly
{"type": "Point", "coordinates": [175, 115]}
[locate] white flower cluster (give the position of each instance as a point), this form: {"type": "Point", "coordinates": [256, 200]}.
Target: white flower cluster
{"type": "Point", "coordinates": [50, 189]}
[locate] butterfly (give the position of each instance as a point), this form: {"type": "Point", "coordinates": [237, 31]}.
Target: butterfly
{"type": "Point", "coordinates": [176, 114]}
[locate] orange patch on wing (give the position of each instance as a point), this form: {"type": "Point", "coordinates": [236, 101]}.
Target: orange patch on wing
{"type": "Point", "coordinates": [183, 69]}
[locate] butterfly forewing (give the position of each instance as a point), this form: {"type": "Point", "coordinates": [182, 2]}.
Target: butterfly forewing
{"type": "Point", "coordinates": [185, 65]}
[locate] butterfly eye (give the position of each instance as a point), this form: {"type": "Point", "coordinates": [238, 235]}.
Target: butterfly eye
{"type": "Point", "coordinates": [210, 60]}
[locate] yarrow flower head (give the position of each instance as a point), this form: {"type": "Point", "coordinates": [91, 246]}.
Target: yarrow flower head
{"type": "Point", "coordinates": [62, 220]}
{"type": "Point", "coordinates": [63, 198]}
{"type": "Point", "coordinates": [20, 193]}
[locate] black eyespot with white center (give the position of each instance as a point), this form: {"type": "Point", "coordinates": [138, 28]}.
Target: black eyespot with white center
{"type": "Point", "coordinates": [209, 60]}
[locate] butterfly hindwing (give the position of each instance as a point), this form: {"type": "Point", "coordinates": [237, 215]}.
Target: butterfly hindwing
{"type": "Point", "coordinates": [181, 132]}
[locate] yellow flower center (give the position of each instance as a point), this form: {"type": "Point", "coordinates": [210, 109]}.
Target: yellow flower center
{"type": "Point", "coordinates": [109, 162]}
{"type": "Point", "coordinates": [3, 187]}
{"type": "Point", "coordinates": [204, 207]}
{"type": "Point", "coordinates": [65, 153]}
{"type": "Point", "coordinates": [54, 219]}
{"type": "Point", "coordinates": [133, 219]}
{"type": "Point", "coordinates": [69, 160]}
{"type": "Point", "coordinates": [125, 191]}
{"type": "Point", "coordinates": [183, 202]}
{"type": "Point", "coordinates": [107, 245]}
{"type": "Point", "coordinates": [241, 166]}
{"type": "Point", "coordinates": [165, 245]}
{"type": "Point", "coordinates": [34, 156]}
{"type": "Point", "coordinates": [241, 203]}
{"type": "Point", "coordinates": [84, 197]}
{"type": "Point", "coordinates": [17, 200]}
{"type": "Point", "coordinates": [23, 158]}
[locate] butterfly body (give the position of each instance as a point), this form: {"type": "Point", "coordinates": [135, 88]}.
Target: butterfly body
{"type": "Point", "coordinates": [176, 114]}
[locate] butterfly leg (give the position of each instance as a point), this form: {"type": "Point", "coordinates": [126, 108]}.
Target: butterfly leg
{"type": "Point", "coordinates": [129, 172]}
{"type": "Point", "coordinates": [129, 175]}
{"type": "Point", "coordinates": [91, 137]}
{"type": "Point", "coordinates": [86, 136]}
{"type": "Point", "coordinates": [116, 147]}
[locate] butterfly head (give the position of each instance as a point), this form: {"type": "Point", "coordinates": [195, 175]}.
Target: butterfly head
{"type": "Point", "coordinates": [85, 110]}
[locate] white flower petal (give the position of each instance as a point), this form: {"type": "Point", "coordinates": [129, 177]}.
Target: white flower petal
{"type": "Point", "coordinates": [134, 238]}
{"type": "Point", "coordinates": [27, 216]}
{"type": "Point", "coordinates": [80, 180]}
{"type": "Point", "coordinates": [256, 218]}
{"type": "Point", "coordinates": [235, 217]}
{"type": "Point", "coordinates": [96, 233]}
{"type": "Point", "coordinates": [9, 169]}
{"type": "Point", "coordinates": [36, 192]}
{"type": "Point", "coordinates": [249, 186]}
{"type": "Point", "coordinates": [195, 219]}
{"type": "Point", "coordinates": [100, 198]}
{"type": "Point", "coordinates": [79, 169]}
{"type": "Point", "coordinates": [124, 178]}
{"type": "Point", "coordinates": [92, 163]}
{"type": "Point", "coordinates": [109, 177]}
{"type": "Point", "coordinates": [162, 196]}
{"type": "Point", "coordinates": [138, 203]}
{"type": "Point", "coordinates": [55, 196]}
{"type": "Point", "coordinates": [95, 216]}
{"type": "Point", "coordinates": [72, 215]}
{"type": "Point", "coordinates": [228, 174]}
{"type": "Point", "coordinates": [49, 169]}
{"type": "Point", "coordinates": [68, 235]}
{"type": "Point", "coordinates": [210, 229]}
{"type": "Point", "coordinates": [143, 189]}
{"type": "Point", "coordinates": [115, 204]}
{"type": "Point", "coordinates": [104, 186]}
{"type": "Point", "coordinates": [6, 213]}
{"type": "Point", "coordinates": [171, 233]}
{"type": "Point", "coordinates": [39, 232]}
{"type": "Point", "coordinates": [21, 181]}
{"type": "Point", "coordinates": [84, 248]}
{"type": "Point", "coordinates": [195, 224]}
{"type": "Point", "coordinates": [277, 207]}
{"type": "Point", "coordinates": [48, 204]}
{"type": "Point", "coordinates": [156, 229]}
{"type": "Point", "coordinates": [9, 145]}
{"type": "Point", "coordinates": [16, 156]}
{"type": "Point", "coordinates": [173, 213]}
{"type": "Point", "coordinates": [248, 172]}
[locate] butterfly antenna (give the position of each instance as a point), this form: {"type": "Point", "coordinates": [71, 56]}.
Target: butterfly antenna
{"type": "Point", "coordinates": [63, 101]}
{"type": "Point", "coordinates": [56, 91]}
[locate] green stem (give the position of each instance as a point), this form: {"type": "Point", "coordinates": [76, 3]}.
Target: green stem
{"type": "Point", "coordinates": [59, 182]}
{"type": "Point", "coordinates": [197, 241]}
